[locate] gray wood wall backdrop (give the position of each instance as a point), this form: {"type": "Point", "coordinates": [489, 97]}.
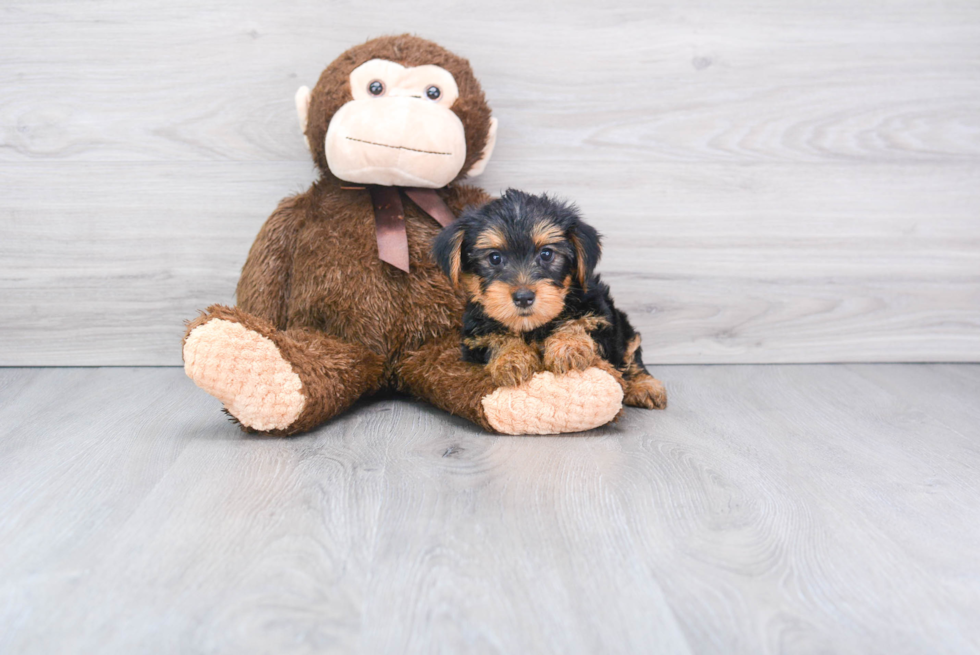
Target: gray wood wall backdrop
{"type": "Point", "coordinates": [778, 181]}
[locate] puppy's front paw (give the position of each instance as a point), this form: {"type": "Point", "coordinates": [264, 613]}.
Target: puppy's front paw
{"type": "Point", "coordinates": [646, 392]}
{"type": "Point", "coordinates": [569, 352]}
{"type": "Point", "coordinates": [514, 363]}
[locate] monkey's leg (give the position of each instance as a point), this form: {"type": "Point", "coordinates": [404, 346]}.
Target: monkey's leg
{"type": "Point", "coordinates": [546, 404]}
{"type": "Point", "coordinates": [272, 381]}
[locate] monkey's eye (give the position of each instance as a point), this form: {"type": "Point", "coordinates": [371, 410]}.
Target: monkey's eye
{"type": "Point", "coordinates": [433, 93]}
{"type": "Point", "coordinates": [376, 88]}
{"type": "Point", "coordinates": [546, 255]}
{"type": "Point", "coordinates": [494, 258]}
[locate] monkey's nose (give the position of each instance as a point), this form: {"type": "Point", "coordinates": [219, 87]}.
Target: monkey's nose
{"type": "Point", "coordinates": [523, 298]}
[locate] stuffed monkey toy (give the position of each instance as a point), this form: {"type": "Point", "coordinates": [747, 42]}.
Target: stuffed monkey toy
{"type": "Point", "coordinates": [339, 296]}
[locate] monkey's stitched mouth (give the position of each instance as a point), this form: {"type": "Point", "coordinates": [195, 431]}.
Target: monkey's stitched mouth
{"type": "Point", "coordinates": [385, 145]}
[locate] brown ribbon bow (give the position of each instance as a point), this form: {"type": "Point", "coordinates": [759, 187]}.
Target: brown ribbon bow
{"type": "Point", "coordinates": [389, 219]}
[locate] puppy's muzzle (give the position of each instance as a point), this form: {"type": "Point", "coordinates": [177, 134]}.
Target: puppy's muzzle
{"type": "Point", "coordinates": [523, 298]}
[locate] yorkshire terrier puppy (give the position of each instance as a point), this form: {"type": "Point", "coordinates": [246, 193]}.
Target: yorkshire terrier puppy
{"type": "Point", "coordinates": [527, 265]}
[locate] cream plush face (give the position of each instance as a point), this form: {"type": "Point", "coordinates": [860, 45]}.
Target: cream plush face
{"type": "Point", "coordinates": [398, 129]}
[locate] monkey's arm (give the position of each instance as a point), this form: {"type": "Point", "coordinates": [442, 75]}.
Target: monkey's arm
{"type": "Point", "coordinates": [546, 404]}
{"type": "Point", "coordinates": [263, 288]}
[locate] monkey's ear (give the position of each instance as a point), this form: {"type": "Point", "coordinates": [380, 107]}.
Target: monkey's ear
{"type": "Point", "coordinates": [303, 110]}
{"type": "Point", "coordinates": [447, 249]}
{"type": "Point", "coordinates": [588, 249]}
{"type": "Point", "coordinates": [481, 163]}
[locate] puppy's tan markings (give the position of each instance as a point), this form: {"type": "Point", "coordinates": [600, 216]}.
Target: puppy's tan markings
{"type": "Point", "coordinates": [493, 341]}
{"type": "Point", "coordinates": [545, 234]}
{"type": "Point", "coordinates": [499, 304]}
{"type": "Point", "coordinates": [644, 390]}
{"type": "Point", "coordinates": [456, 259]}
{"type": "Point", "coordinates": [491, 238]}
{"type": "Point", "coordinates": [633, 370]}
{"type": "Point", "coordinates": [565, 352]}
{"type": "Point", "coordinates": [471, 284]}
{"type": "Point", "coordinates": [512, 361]}
{"type": "Point", "coordinates": [549, 303]}
{"type": "Point", "coordinates": [582, 269]}
{"type": "Point", "coordinates": [570, 348]}
{"type": "Point", "coordinates": [589, 322]}
{"type": "Point", "coordinates": [631, 348]}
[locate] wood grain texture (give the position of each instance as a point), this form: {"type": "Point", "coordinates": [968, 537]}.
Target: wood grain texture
{"type": "Point", "coordinates": [770, 509]}
{"type": "Point", "coordinates": [777, 181]}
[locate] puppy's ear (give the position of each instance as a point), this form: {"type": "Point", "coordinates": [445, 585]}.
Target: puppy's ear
{"type": "Point", "coordinates": [588, 249]}
{"type": "Point", "coordinates": [447, 249]}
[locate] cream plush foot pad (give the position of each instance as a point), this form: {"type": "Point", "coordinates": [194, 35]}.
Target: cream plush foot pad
{"type": "Point", "coordinates": [245, 371]}
{"type": "Point", "coordinates": [548, 404]}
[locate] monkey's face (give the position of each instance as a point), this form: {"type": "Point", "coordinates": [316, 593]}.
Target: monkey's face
{"type": "Point", "coordinates": [398, 111]}
{"type": "Point", "coordinates": [398, 128]}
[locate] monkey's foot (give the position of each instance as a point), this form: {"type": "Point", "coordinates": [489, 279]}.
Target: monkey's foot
{"type": "Point", "coordinates": [647, 392]}
{"type": "Point", "coordinates": [246, 372]}
{"type": "Point", "coordinates": [550, 404]}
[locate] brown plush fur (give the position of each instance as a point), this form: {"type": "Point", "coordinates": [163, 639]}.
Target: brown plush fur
{"type": "Point", "coordinates": [434, 372]}
{"type": "Point", "coordinates": [348, 323]}
{"type": "Point", "coordinates": [334, 373]}
{"type": "Point", "coordinates": [338, 284]}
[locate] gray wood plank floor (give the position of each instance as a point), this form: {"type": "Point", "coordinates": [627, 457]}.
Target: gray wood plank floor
{"type": "Point", "coordinates": [770, 509]}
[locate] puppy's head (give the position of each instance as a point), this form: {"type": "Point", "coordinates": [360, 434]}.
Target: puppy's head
{"type": "Point", "coordinates": [518, 256]}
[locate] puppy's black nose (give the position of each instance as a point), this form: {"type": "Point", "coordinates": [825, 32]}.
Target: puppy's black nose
{"type": "Point", "coordinates": [523, 298]}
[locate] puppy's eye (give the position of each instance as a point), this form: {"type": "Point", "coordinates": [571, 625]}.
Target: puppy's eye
{"type": "Point", "coordinates": [433, 93]}
{"type": "Point", "coordinates": [376, 88]}
{"type": "Point", "coordinates": [546, 255]}
{"type": "Point", "coordinates": [494, 258]}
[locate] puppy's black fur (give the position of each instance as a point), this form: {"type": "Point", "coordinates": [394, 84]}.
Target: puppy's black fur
{"type": "Point", "coordinates": [534, 244]}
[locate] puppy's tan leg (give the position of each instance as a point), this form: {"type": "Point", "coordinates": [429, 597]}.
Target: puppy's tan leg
{"type": "Point", "coordinates": [512, 362]}
{"type": "Point", "coordinates": [564, 352]}
{"type": "Point", "coordinates": [570, 348]}
{"type": "Point", "coordinates": [642, 389]}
